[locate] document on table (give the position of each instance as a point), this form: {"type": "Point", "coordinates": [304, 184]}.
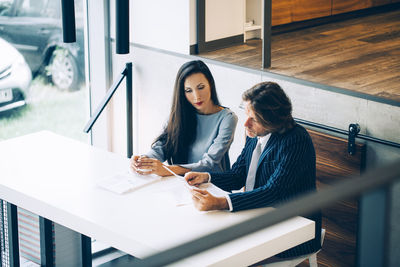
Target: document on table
{"type": "Point", "coordinates": [127, 181]}
{"type": "Point", "coordinates": [182, 196]}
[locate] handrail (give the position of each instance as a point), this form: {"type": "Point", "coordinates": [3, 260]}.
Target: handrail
{"type": "Point", "coordinates": [126, 73]}
{"type": "Point", "coordinates": [344, 132]}
{"type": "Point", "coordinates": [300, 206]}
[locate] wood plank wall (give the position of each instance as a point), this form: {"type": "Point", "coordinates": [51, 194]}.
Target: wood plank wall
{"type": "Point", "coordinates": [288, 11]}
{"type": "Point", "coordinates": [334, 163]}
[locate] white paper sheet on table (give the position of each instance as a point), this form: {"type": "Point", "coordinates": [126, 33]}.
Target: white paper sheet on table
{"type": "Point", "coordinates": [126, 181]}
{"type": "Point", "coordinates": [182, 195]}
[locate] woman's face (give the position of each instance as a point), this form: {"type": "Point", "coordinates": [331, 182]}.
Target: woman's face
{"type": "Point", "coordinates": [198, 93]}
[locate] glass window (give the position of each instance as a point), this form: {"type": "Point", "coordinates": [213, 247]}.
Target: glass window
{"type": "Point", "coordinates": [330, 42]}
{"type": "Point", "coordinates": [53, 10]}
{"type": "Point", "coordinates": [42, 85]}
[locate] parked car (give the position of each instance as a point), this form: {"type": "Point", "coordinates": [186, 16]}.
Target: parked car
{"type": "Point", "coordinates": [35, 29]}
{"type": "Point", "coordinates": [15, 77]}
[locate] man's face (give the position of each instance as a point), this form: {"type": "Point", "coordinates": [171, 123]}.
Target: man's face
{"type": "Point", "coordinates": [253, 126]}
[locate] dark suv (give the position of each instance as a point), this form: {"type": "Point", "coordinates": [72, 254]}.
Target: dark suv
{"type": "Point", "coordinates": [34, 27]}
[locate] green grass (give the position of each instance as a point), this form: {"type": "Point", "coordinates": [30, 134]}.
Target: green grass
{"type": "Point", "coordinates": [61, 112]}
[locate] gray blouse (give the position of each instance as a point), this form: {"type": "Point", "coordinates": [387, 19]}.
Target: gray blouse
{"type": "Point", "coordinates": [214, 136]}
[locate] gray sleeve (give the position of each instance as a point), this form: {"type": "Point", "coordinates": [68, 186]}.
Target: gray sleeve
{"type": "Point", "coordinates": [156, 151]}
{"type": "Point", "coordinates": [220, 145]}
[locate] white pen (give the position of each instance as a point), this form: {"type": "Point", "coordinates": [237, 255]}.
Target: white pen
{"type": "Point", "coordinates": [180, 177]}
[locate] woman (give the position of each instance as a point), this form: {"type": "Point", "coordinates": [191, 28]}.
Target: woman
{"type": "Point", "coordinates": [199, 131]}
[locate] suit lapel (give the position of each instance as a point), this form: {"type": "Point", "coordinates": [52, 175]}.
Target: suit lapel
{"type": "Point", "coordinates": [268, 147]}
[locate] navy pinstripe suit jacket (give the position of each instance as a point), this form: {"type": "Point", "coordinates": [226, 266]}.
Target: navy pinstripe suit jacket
{"type": "Point", "coordinates": [286, 169]}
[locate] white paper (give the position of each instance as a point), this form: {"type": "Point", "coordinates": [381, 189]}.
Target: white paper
{"type": "Point", "coordinates": [182, 195]}
{"type": "Point", "coordinates": [213, 190]}
{"type": "Point", "coordinates": [125, 182]}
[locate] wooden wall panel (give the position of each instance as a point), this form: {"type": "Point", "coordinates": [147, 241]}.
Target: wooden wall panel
{"type": "Point", "coordinates": [340, 221]}
{"type": "Point", "coordinates": [310, 9]}
{"type": "Point", "coordinates": [288, 11]}
{"type": "Point", "coordinates": [281, 12]}
{"type": "Point", "coordinates": [342, 6]}
{"type": "Point", "coordinates": [380, 2]}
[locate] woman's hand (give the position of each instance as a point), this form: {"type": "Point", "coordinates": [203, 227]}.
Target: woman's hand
{"type": "Point", "coordinates": [134, 163]}
{"type": "Point", "coordinates": [196, 178]}
{"type": "Point", "coordinates": [144, 165]}
{"type": "Point", "coordinates": [203, 201]}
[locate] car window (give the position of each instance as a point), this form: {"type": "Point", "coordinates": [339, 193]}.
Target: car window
{"type": "Point", "coordinates": [5, 6]}
{"type": "Point", "coordinates": [31, 8]}
{"type": "Point", "coordinates": [53, 9]}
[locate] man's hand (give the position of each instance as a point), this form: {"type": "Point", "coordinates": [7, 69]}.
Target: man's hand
{"type": "Point", "coordinates": [204, 201]}
{"type": "Point", "coordinates": [196, 178]}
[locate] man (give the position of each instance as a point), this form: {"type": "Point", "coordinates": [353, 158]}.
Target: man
{"type": "Point", "coordinates": [276, 164]}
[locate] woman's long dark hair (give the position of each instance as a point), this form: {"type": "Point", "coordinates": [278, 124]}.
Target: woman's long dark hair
{"type": "Point", "coordinates": [180, 131]}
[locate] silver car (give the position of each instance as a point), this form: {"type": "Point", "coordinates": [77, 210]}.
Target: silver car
{"type": "Point", "coordinates": [15, 77]}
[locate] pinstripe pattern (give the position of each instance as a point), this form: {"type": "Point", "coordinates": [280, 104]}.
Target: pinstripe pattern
{"type": "Point", "coordinates": [285, 170]}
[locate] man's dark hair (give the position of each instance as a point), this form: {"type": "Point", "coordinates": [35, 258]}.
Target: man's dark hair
{"type": "Point", "coordinates": [272, 107]}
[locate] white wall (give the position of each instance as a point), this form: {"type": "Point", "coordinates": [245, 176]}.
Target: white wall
{"type": "Point", "coordinates": [154, 74]}
{"type": "Point", "coordinates": [153, 78]}
{"type": "Point", "coordinates": [193, 22]}
{"type": "Point", "coordinates": [254, 9]}
{"type": "Point", "coordinates": [224, 18]}
{"type": "Point", "coordinates": [158, 23]}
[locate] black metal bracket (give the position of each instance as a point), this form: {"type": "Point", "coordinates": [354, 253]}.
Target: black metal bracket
{"type": "Point", "coordinates": [267, 32]}
{"type": "Point", "coordinates": [86, 243]}
{"type": "Point", "coordinates": [126, 73]}
{"type": "Point", "coordinates": [68, 21]}
{"type": "Point", "coordinates": [46, 242]}
{"type": "Point", "coordinates": [13, 246]}
{"type": "Point", "coordinates": [354, 129]}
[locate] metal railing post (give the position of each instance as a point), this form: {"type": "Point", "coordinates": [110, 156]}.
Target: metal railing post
{"type": "Point", "coordinates": [46, 242]}
{"type": "Point", "coordinates": [86, 243]}
{"type": "Point", "coordinates": [129, 123]}
{"type": "Point", "coordinates": [13, 245]}
{"type": "Point", "coordinates": [266, 42]}
{"type": "Point", "coordinates": [373, 228]}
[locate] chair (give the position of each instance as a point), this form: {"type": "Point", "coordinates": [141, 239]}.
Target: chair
{"type": "Point", "coordinates": [312, 258]}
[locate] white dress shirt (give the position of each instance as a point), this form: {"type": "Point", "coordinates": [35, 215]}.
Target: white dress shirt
{"type": "Point", "coordinates": [263, 140]}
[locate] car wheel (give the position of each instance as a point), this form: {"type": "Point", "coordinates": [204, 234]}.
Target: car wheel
{"type": "Point", "coordinates": [64, 70]}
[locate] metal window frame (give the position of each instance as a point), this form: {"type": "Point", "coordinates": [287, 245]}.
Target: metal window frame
{"type": "Point", "coordinates": [267, 30]}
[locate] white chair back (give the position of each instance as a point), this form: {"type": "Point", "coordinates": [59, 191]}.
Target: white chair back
{"type": "Point", "coordinates": [312, 258]}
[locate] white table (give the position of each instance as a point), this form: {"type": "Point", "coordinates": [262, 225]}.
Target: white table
{"type": "Point", "coordinates": [56, 178]}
